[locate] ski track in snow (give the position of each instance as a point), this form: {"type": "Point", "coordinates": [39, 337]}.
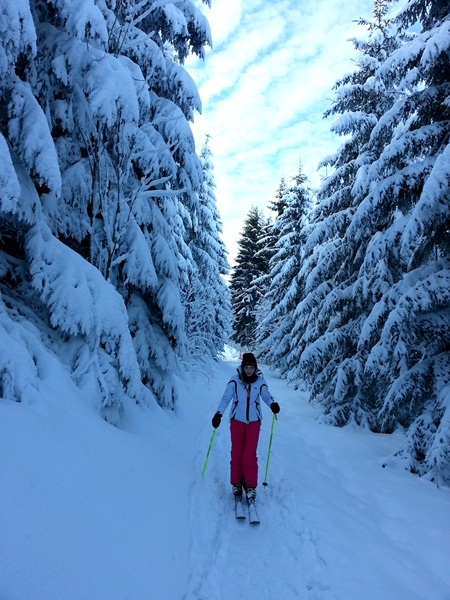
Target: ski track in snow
{"type": "Point", "coordinates": [275, 560]}
{"type": "Point", "coordinates": [334, 524]}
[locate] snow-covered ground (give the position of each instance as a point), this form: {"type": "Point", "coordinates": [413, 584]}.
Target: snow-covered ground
{"type": "Point", "coordinates": [90, 512]}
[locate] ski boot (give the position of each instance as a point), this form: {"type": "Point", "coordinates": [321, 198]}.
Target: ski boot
{"type": "Point", "coordinates": [251, 495]}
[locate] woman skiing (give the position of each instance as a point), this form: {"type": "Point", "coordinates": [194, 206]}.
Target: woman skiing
{"type": "Point", "coordinates": [245, 389]}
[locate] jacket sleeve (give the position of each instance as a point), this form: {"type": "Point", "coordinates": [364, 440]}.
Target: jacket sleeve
{"type": "Point", "coordinates": [228, 395]}
{"type": "Point", "coordinates": [264, 392]}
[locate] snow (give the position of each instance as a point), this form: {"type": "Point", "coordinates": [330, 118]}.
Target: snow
{"type": "Point", "coordinates": [29, 134]}
{"type": "Point", "coordinates": [9, 182]}
{"type": "Point", "coordinates": [86, 21]}
{"type": "Point", "coordinates": [89, 511]}
{"type": "Point", "coordinates": [17, 34]}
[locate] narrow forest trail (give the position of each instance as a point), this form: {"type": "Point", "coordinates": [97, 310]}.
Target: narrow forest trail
{"type": "Point", "coordinates": [334, 523]}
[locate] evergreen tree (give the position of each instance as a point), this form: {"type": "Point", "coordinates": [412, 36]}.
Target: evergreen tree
{"type": "Point", "coordinates": [279, 204]}
{"type": "Point", "coordinates": [261, 285]}
{"type": "Point", "coordinates": [286, 288]}
{"type": "Point", "coordinates": [249, 266]}
{"type": "Point", "coordinates": [100, 166]}
{"type": "Point", "coordinates": [406, 336]}
{"type": "Point", "coordinates": [373, 327]}
{"type": "Point", "coordinates": [337, 297]}
{"type": "Point", "coordinates": [207, 298]}
{"type": "Point", "coordinates": [268, 248]}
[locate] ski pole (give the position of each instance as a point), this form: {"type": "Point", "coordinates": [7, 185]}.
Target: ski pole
{"type": "Point", "coordinates": [268, 453]}
{"type": "Point", "coordinates": [209, 450]}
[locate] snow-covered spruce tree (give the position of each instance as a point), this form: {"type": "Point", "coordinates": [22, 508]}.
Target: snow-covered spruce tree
{"type": "Point", "coordinates": [50, 295]}
{"type": "Point", "coordinates": [386, 363]}
{"type": "Point", "coordinates": [267, 246]}
{"type": "Point", "coordinates": [139, 153]}
{"type": "Point", "coordinates": [286, 288]}
{"type": "Point", "coordinates": [261, 286]}
{"type": "Point", "coordinates": [278, 205]}
{"type": "Point", "coordinates": [338, 294]}
{"type": "Point", "coordinates": [95, 109]}
{"type": "Point", "coordinates": [407, 335]}
{"type": "Point", "coordinates": [206, 298]}
{"type": "Point", "coordinates": [250, 265]}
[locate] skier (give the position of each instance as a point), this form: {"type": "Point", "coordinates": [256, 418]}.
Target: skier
{"type": "Point", "coordinates": [245, 389]}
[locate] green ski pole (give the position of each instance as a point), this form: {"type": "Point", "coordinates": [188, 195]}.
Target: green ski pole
{"type": "Point", "coordinates": [209, 450]}
{"type": "Point", "coordinates": [268, 453]}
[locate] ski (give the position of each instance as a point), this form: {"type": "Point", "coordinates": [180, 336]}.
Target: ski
{"type": "Point", "coordinates": [238, 508]}
{"type": "Point", "coordinates": [252, 514]}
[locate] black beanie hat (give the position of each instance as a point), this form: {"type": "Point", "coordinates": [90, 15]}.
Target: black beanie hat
{"type": "Point", "coordinates": [249, 359]}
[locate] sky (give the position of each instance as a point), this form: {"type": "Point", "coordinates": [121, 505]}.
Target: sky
{"type": "Point", "coordinates": [265, 86]}
{"type": "Point", "coordinates": [89, 511]}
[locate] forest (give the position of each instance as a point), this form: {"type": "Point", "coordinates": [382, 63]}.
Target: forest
{"type": "Point", "coordinates": [111, 255]}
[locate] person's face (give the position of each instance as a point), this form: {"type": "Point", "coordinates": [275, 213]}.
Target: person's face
{"type": "Point", "coordinates": [249, 370]}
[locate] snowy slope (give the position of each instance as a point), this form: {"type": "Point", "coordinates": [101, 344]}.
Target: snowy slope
{"type": "Point", "coordinates": [90, 512]}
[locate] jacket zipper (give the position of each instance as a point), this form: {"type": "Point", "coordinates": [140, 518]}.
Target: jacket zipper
{"type": "Point", "coordinates": [247, 414]}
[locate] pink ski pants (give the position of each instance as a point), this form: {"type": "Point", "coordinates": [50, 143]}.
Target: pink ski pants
{"type": "Point", "coordinates": [244, 461]}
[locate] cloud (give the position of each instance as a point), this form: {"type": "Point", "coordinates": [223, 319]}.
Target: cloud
{"type": "Point", "coordinates": [264, 89]}
{"type": "Point", "coordinates": [224, 19]}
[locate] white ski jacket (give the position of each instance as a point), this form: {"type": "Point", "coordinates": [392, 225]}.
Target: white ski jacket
{"type": "Point", "coordinates": [246, 397]}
